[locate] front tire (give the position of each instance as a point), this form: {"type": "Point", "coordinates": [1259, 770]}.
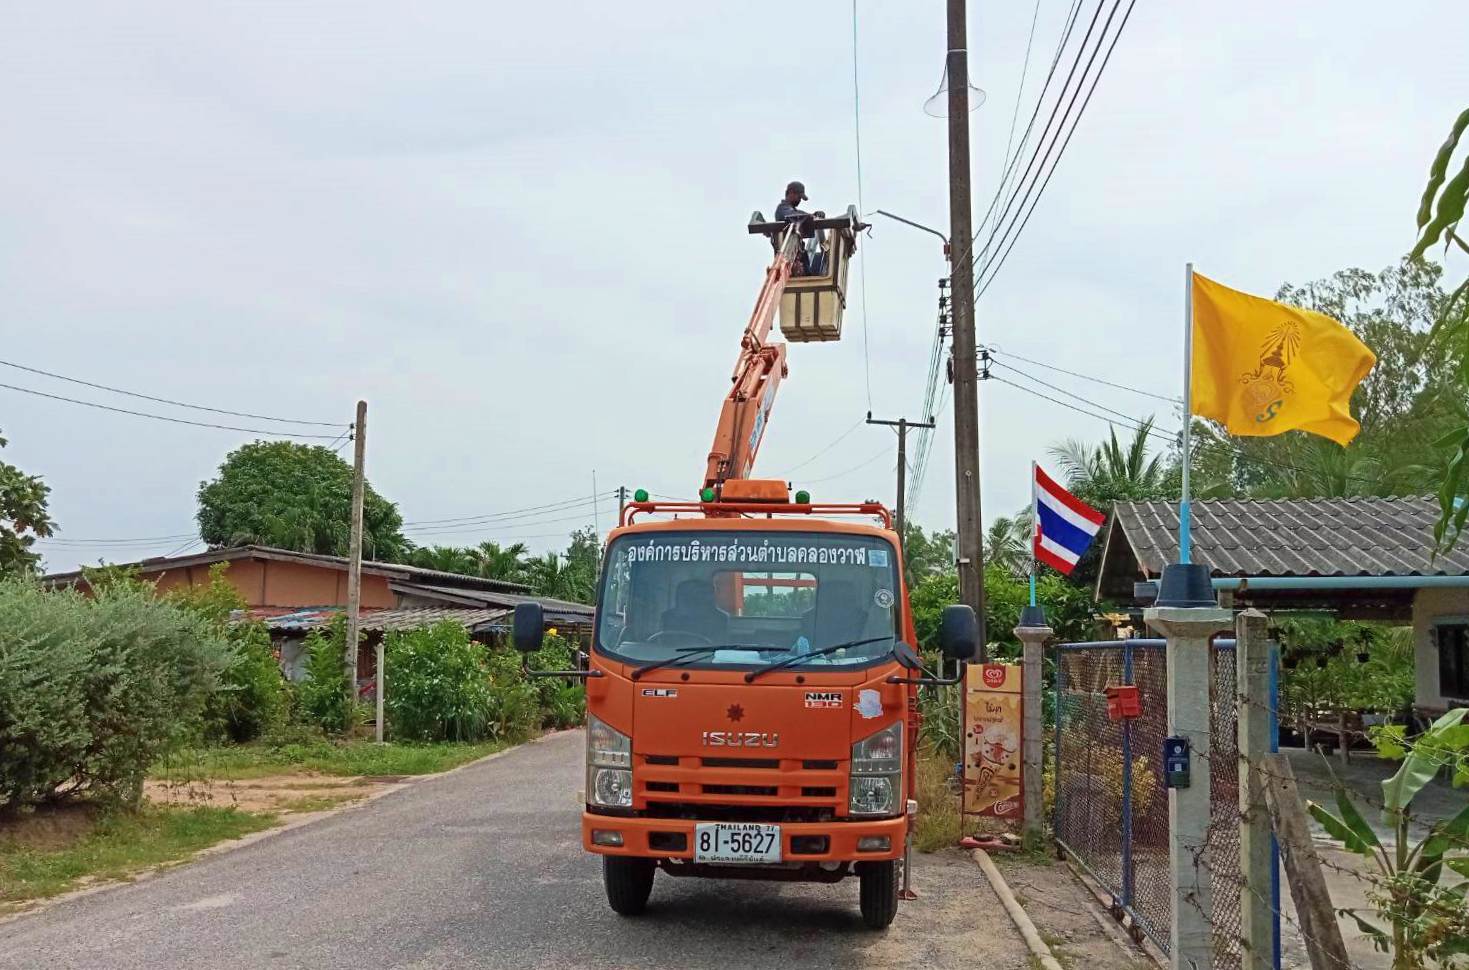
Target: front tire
{"type": "Point", "coordinates": [629, 882]}
{"type": "Point", "coordinates": [879, 892]}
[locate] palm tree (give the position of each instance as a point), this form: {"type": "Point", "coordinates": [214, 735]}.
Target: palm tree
{"type": "Point", "coordinates": [507, 563]}
{"type": "Point", "coordinates": [448, 559]}
{"type": "Point", "coordinates": [1111, 472]}
{"type": "Point", "coordinates": [1008, 542]}
{"type": "Point", "coordinates": [549, 576]}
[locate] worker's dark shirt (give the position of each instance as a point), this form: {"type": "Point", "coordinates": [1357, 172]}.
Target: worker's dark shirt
{"type": "Point", "coordinates": [785, 212]}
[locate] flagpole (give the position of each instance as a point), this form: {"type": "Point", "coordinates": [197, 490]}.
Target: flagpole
{"type": "Point", "coordinates": [1034, 515]}
{"type": "Point", "coordinates": [1184, 539]}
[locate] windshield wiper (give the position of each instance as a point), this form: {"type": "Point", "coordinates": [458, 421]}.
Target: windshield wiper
{"type": "Point", "coordinates": [824, 651]}
{"type": "Point", "coordinates": [690, 654]}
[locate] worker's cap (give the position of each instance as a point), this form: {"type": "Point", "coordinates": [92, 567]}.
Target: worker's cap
{"type": "Point", "coordinates": [797, 188]}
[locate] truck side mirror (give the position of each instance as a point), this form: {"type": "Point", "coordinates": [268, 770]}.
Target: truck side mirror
{"type": "Point", "coordinates": [958, 632]}
{"type": "Point", "coordinates": [529, 628]}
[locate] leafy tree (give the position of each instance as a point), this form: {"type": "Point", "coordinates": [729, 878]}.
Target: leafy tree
{"type": "Point", "coordinates": [23, 518]}
{"type": "Point", "coordinates": [926, 553]}
{"type": "Point", "coordinates": [294, 496]}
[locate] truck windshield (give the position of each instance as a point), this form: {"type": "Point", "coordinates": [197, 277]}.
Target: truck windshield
{"type": "Point", "coordinates": [758, 598]}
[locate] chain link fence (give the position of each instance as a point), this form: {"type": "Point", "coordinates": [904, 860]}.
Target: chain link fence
{"type": "Point", "coordinates": [1111, 803]}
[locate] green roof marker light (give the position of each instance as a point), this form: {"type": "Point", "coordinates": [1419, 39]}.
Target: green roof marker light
{"type": "Point", "coordinates": [641, 495]}
{"type": "Point", "coordinates": [803, 497]}
{"type": "Point", "coordinates": [707, 495]}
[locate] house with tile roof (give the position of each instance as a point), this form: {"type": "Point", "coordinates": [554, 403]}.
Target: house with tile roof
{"type": "Point", "coordinates": [1362, 558]}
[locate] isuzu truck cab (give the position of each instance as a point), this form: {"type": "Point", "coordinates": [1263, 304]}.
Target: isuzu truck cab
{"type": "Point", "coordinates": [752, 679]}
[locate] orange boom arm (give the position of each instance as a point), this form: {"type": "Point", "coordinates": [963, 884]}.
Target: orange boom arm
{"type": "Point", "coordinates": [757, 376]}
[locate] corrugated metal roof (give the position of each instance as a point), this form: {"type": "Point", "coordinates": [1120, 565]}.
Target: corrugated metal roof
{"type": "Point", "coordinates": [387, 621]}
{"type": "Point", "coordinates": [488, 598]}
{"type": "Point", "coordinates": [392, 570]}
{"type": "Point", "coordinates": [1293, 537]}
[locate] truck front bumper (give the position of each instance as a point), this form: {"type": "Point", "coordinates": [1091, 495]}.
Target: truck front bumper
{"type": "Point", "coordinates": [664, 838]}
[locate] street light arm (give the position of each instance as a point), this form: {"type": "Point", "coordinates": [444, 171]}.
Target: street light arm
{"type": "Point", "coordinates": [915, 225]}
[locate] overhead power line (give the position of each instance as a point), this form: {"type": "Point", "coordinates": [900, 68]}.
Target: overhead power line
{"type": "Point", "coordinates": [503, 525]}
{"type": "Point", "coordinates": [1061, 390]}
{"type": "Point", "coordinates": [476, 518]}
{"type": "Point", "coordinates": [171, 420]}
{"type": "Point", "coordinates": [1013, 160]}
{"type": "Point", "coordinates": [827, 447]}
{"type": "Point", "coordinates": [994, 265]}
{"type": "Point", "coordinates": [1173, 437]}
{"type": "Point", "coordinates": [164, 400]}
{"type": "Point", "coordinates": [1001, 352]}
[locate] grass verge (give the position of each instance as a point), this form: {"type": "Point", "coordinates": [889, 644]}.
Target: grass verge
{"type": "Point", "coordinates": [940, 824]}
{"type": "Point", "coordinates": [237, 762]}
{"type": "Point", "coordinates": [113, 846]}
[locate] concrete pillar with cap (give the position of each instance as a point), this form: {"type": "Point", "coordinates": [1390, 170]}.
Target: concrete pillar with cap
{"type": "Point", "coordinates": [1033, 632]}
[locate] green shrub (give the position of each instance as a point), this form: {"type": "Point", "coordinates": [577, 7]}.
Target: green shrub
{"type": "Point", "coordinates": [438, 688]}
{"type": "Point", "coordinates": [251, 700]}
{"type": "Point", "coordinates": [322, 697]}
{"type": "Point", "coordinates": [563, 704]}
{"type": "Point", "coordinates": [514, 709]}
{"type": "Point", "coordinates": [94, 690]}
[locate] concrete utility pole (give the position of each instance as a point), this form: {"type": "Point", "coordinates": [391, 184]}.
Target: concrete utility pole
{"type": "Point", "coordinates": [966, 388]}
{"type": "Point", "coordinates": [354, 563]}
{"type": "Point", "coordinates": [902, 424]}
{"type": "Point", "coordinates": [621, 502]}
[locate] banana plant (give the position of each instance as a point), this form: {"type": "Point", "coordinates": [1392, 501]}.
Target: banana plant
{"type": "Point", "coordinates": [1440, 211]}
{"type": "Point", "coordinates": [1427, 920]}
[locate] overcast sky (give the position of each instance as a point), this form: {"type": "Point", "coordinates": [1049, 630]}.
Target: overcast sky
{"type": "Point", "coordinates": [518, 230]}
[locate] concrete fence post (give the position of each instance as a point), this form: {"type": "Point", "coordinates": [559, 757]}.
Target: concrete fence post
{"type": "Point", "coordinates": [1032, 748]}
{"type": "Point", "coordinates": [1255, 713]}
{"type": "Point", "coordinates": [1189, 630]}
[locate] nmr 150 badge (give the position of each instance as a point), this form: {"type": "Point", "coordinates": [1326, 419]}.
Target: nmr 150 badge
{"type": "Point", "coordinates": [992, 708]}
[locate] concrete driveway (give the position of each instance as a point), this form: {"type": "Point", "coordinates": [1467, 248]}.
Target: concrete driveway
{"type": "Point", "coordinates": [484, 868]}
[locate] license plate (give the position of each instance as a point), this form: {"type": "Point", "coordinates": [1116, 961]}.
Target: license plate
{"type": "Point", "coordinates": [736, 842]}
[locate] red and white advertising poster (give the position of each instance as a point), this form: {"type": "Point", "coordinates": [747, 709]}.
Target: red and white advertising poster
{"type": "Point", "coordinates": [992, 708]}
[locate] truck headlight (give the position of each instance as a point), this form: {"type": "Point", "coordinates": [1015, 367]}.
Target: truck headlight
{"type": "Point", "coordinates": [609, 765]}
{"type": "Point", "coordinates": [610, 787]}
{"type": "Point", "coordinates": [876, 772]}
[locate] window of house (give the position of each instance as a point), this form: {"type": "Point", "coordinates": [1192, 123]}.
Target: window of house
{"type": "Point", "coordinates": [1453, 659]}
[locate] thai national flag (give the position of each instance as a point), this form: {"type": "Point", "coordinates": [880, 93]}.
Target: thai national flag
{"type": "Point", "coordinates": [1064, 524]}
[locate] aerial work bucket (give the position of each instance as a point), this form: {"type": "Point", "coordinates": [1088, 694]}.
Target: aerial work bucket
{"type": "Point", "coordinates": [812, 303]}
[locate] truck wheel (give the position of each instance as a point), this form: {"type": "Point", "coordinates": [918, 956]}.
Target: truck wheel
{"type": "Point", "coordinates": [629, 882]}
{"type": "Point", "coordinates": [879, 892]}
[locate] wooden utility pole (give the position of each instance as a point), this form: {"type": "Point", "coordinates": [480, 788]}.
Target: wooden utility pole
{"type": "Point", "coordinates": [354, 563]}
{"type": "Point", "coordinates": [902, 424]}
{"type": "Point", "coordinates": [1308, 888]}
{"type": "Point", "coordinates": [966, 387]}
{"type": "Point", "coordinates": [1255, 717]}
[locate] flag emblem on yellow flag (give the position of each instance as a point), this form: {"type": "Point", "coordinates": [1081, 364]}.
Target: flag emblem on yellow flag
{"type": "Point", "coordinates": [1263, 368]}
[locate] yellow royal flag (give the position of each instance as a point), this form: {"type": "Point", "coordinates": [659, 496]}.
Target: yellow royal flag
{"type": "Point", "coordinates": [1263, 368]}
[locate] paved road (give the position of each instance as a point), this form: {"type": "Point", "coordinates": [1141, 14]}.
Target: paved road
{"type": "Point", "coordinates": [484, 868]}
